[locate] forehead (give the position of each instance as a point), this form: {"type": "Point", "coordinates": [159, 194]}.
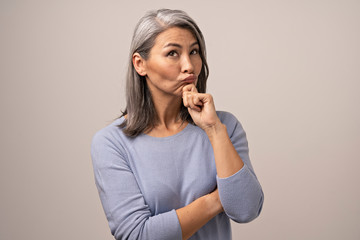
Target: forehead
{"type": "Point", "coordinates": [175, 35]}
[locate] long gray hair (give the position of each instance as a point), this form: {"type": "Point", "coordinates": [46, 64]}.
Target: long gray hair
{"type": "Point", "coordinates": [140, 110]}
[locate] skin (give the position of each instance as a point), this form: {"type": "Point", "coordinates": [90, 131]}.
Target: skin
{"type": "Point", "coordinates": [173, 58]}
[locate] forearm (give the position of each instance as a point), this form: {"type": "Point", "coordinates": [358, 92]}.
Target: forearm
{"type": "Point", "coordinates": [195, 215]}
{"type": "Point", "coordinates": [227, 160]}
{"type": "Point", "coordinates": [240, 191]}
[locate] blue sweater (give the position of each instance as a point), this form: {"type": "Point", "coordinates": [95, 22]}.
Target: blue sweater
{"type": "Point", "coordinates": [142, 180]}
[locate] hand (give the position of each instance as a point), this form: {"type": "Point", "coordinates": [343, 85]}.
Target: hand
{"type": "Point", "coordinates": [200, 106]}
{"type": "Point", "coordinates": [215, 199]}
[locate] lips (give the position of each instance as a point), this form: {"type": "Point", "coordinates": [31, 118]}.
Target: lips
{"type": "Point", "coordinates": [190, 79]}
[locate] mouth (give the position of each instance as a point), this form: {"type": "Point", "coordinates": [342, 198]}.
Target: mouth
{"type": "Point", "coordinates": [190, 79]}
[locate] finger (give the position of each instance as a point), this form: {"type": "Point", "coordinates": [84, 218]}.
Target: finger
{"type": "Point", "coordinates": [190, 100]}
{"type": "Point", "coordinates": [192, 105]}
{"type": "Point", "coordinates": [185, 99]}
{"type": "Point", "coordinates": [190, 88]}
{"type": "Point", "coordinates": [197, 101]}
{"type": "Point", "coordinates": [205, 98]}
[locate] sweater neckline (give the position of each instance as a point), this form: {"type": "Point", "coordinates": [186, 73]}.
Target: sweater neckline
{"type": "Point", "coordinates": [176, 135]}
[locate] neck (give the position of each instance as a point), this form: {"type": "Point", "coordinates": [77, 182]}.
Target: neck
{"type": "Point", "coordinates": [168, 109]}
{"type": "Point", "coordinates": [168, 113]}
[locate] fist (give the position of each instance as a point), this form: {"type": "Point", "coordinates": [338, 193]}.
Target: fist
{"type": "Point", "coordinates": [200, 106]}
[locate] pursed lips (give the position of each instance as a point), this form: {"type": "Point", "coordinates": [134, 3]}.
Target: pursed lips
{"type": "Point", "coordinates": [190, 79]}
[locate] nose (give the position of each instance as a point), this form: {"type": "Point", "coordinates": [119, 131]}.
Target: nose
{"type": "Point", "coordinates": [186, 64]}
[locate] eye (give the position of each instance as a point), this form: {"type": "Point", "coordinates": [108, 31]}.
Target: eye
{"type": "Point", "coordinates": [172, 53]}
{"type": "Point", "coordinates": [194, 52]}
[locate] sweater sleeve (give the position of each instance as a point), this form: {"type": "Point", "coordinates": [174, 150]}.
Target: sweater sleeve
{"type": "Point", "coordinates": [240, 194]}
{"type": "Point", "coordinates": [128, 215]}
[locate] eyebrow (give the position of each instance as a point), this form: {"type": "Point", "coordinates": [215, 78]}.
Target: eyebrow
{"type": "Point", "coordinates": [178, 45]}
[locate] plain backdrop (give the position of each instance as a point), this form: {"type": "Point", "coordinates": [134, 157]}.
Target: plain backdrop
{"type": "Point", "coordinates": [289, 70]}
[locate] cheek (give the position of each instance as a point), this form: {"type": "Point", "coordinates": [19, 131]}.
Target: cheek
{"type": "Point", "coordinates": [198, 66]}
{"type": "Point", "coordinates": [163, 71]}
{"type": "Point", "coordinates": [170, 72]}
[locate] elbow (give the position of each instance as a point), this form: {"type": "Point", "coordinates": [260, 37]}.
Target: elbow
{"type": "Point", "coordinates": [247, 214]}
{"type": "Point", "coordinates": [129, 230]}
{"type": "Point", "coordinates": [131, 234]}
{"type": "Point", "coordinates": [245, 217]}
{"type": "Point", "coordinates": [120, 235]}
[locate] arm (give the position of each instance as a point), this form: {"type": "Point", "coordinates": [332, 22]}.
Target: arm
{"type": "Point", "coordinates": [227, 160]}
{"type": "Point", "coordinates": [125, 208]}
{"type": "Point", "coordinates": [128, 215]}
{"type": "Point", "coordinates": [202, 109]}
{"type": "Point", "coordinates": [193, 216]}
{"type": "Point", "coordinates": [240, 192]}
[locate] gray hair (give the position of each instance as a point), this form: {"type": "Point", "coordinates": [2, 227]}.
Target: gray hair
{"type": "Point", "coordinates": [140, 110]}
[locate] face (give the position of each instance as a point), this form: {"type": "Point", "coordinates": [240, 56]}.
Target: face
{"type": "Point", "coordinates": [174, 62]}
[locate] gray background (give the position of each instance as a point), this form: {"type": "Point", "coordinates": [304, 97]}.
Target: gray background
{"type": "Point", "coordinates": [289, 70]}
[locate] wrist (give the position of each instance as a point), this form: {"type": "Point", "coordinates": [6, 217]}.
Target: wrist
{"type": "Point", "coordinates": [213, 204]}
{"type": "Point", "coordinates": [216, 129]}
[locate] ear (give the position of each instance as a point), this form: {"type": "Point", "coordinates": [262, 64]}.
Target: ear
{"type": "Point", "coordinates": [139, 64]}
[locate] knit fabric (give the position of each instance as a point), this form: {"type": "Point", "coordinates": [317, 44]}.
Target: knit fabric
{"type": "Point", "coordinates": [143, 180]}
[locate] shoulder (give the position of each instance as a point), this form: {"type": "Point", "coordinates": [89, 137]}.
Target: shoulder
{"type": "Point", "coordinates": [231, 122]}
{"type": "Point", "coordinates": [110, 131]}
{"type": "Point", "coordinates": [108, 138]}
{"type": "Point", "coordinates": [226, 117]}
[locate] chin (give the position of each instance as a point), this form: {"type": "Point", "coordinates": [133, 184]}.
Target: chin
{"type": "Point", "coordinates": [178, 94]}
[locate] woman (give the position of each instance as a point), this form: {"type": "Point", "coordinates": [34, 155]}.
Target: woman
{"type": "Point", "coordinates": [172, 167]}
